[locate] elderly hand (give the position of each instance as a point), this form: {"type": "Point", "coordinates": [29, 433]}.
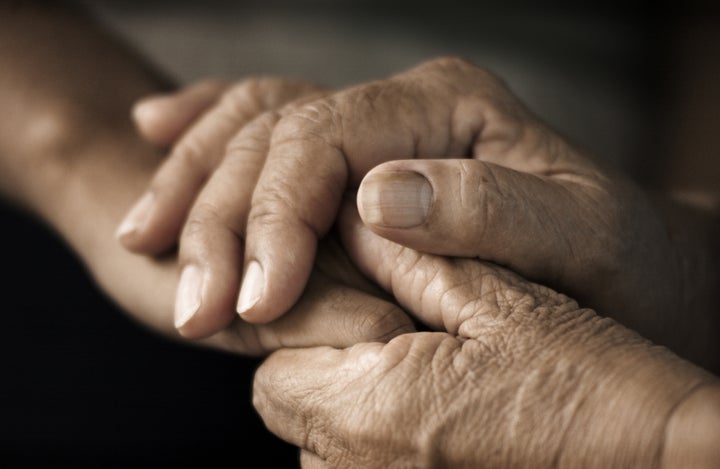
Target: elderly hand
{"type": "Point", "coordinates": [508, 189]}
{"type": "Point", "coordinates": [340, 307]}
{"type": "Point", "coordinates": [199, 123]}
{"type": "Point", "coordinates": [519, 377]}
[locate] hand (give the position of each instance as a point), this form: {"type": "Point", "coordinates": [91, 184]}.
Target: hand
{"type": "Point", "coordinates": [85, 164]}
{"type": "Point", "coordinates": [527, 200]}
{"type": "Point", "coordinates": [200, 123]}
{"type": "Point", "coordinates": [519, 377]}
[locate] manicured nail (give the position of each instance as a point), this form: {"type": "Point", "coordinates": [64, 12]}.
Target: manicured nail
{"type": "Point", "coordinates": [138, 216]}
{"type": "Point", "coordinates": [189, 294]}
{"type": "Point", "coordinates": [252, 287]}
{"type": "Point", "coordinates": [395, 199]}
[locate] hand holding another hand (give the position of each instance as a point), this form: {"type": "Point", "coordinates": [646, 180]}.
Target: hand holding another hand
{"type": "Point", "coordinates": [456, 157]}
{"type": "Point", "coordinates": [522, 377]}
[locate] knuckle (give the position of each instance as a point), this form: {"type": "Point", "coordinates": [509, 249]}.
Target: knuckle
{"type": "Point", "coordinates": [255, 95]}
{"type": "Point", "coordinates": [450, 62]}
{"type": "Point", "coordinates": [262, 124]}
{"type": "Point", "coordinates": [250, 91]}
{"type": "Point", "coordinates": [193, 234]}
{"type": "Point", "coordinates": [277, 208]}
{"type": "Point", "coordinates": [267, 222]}
{"type": "Point", "coordinates": [466, 78]}
{"type": "Point", "coordinates": [454, 66]}
{"type": "Point", "coordinates": [269, 92]}
{"type": "Point", "coordinates": [255, 135]}
{"type": "Point", "coordinates": [272, 207]}
{"type": "Point", "coordinates": [191, 156]}
{"type": "Point", "coordinates": [264, 214]}
{"type": "Point", "coordinates": [244, 98]}
{"type": "Point", "coordinates": [317, 121]}
{"type": "Point", "coordinates": [204, 217]}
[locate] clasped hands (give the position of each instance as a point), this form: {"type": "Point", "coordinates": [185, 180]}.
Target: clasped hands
{"type": "Point", "coordinates": [472, 216]}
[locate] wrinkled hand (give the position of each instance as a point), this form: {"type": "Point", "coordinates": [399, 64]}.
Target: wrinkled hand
{"type": "Point", "coordinates": [197, 123]}
{"type": "Point", "coordinates": [522, 377]}
{"type": "Point", "coordinates": [200, 123]}
{"type": "Point", "coordinates": [507, 189]}
{"type": "Point", "coordinates": [87, 173]}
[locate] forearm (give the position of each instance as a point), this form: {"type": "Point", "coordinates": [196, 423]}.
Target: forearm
{"type": "Point", "coordinates": [69, 154]}
{"type": "Point", "coordinates": [67, 85]}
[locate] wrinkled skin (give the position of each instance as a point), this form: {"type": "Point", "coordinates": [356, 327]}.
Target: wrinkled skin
{"type": "Point", "coordinates": [525, 199]}
{"type": "Point", "coordinates": [522, 377]}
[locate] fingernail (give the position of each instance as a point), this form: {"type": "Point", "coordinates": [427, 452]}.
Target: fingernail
{"type": "Point", "coordinates": [142, 109]}
{"type": "Point", "coordinates": [189, 295]}
{"type": "Point", "coordinates": [252, 287]}
{"type": "Point", "coordinates": [147, 107]}
{"type": "Point", "coordinates": [138, 216]}
{"type": "Point", "coordinates": [395, 199]}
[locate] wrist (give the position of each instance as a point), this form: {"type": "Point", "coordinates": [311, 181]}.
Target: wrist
{"type": "Point", "coordinates": [632, 392]}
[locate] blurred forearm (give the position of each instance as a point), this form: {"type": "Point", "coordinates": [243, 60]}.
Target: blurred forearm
{"type": "Point", "coordinates": [68, 149]}
{"type": "Point", "coordinates": [66, 92]}
{"type": "Point", "coordinates": [66, 86]}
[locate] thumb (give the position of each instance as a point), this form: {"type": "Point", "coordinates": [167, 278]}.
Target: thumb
{"type": "Point", "coordinates": [162, 118]}
{"type": "Point", "coordinates": [471, 208]}
{"type": "Point", "coordinates": [463, 297]}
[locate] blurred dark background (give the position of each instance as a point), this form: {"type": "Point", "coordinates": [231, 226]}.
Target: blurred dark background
{"type": "Point", "coordinates": [84, 384]}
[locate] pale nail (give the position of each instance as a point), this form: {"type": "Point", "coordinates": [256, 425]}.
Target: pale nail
{"type": "Point", "coordinates": [395, 199]}
{"type": "Point", "coordinates": [138, 216]}
{"type": "Point", "coordinates": [189, 295]}
{"type": "Point", "coordinates": [147, 108]}
{"type": "Point", "coordinates": [252, 287]}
